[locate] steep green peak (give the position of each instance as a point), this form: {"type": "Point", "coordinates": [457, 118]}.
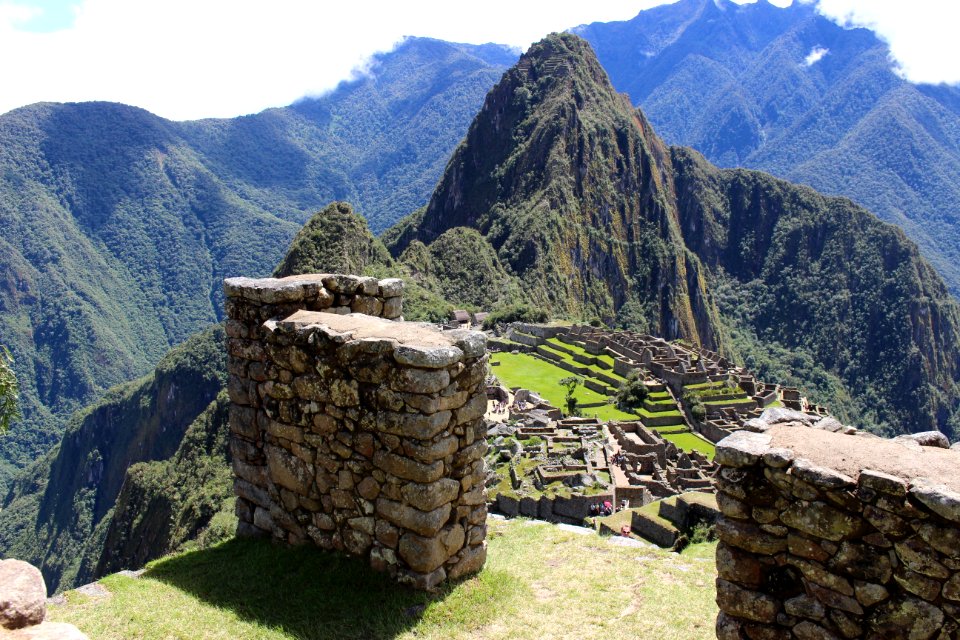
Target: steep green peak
{"type": "Point", "coordinates": [551, 115]}
{"type": "Point", "coordinates": [335, 240]}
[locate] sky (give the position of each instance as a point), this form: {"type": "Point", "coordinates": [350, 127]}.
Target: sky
{"type": "Point", "coordinates": [190, 59]}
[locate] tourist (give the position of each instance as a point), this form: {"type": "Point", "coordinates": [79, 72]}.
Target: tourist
{"type": "Point", "coordinates": [607, 509]}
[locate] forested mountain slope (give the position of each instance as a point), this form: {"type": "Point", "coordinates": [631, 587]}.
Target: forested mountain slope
{"type": "Point", "coordinates": [117, 226]}
{"type": "Point", "coordinates": [788, 91]}
{"type": "Point", "coordinates": [593, 214]}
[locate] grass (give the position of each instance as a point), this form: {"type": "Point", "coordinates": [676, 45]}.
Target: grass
{"type": "Point", "coordinates": [691, 442]}
{"type": "Point", "coordinates": [576, 348]}
{"type": "Point", "coordinates": [522, 370]}
{"type": "Point", "coordinates": [539, 581]}
{"type": "Point", "coordinates": [594, 368]}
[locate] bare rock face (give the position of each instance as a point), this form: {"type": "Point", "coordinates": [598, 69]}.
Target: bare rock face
{"type": "Point", "coordinates": [23, 595]}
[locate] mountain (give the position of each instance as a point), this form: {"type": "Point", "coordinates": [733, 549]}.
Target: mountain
{"type": "Point", "coordinates": [144, 471]}
{"type": "Point", "coordinates": [63, 511]}
{"type": "Point", "coordinates": [117, 226]}
{"type": "Point", "coordinates": [591, 213]}
{"type": "Point", "coordinates": [790, 92]}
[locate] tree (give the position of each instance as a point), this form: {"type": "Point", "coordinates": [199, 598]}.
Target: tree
{"type": "Point", "coordinates": [9, 391]}
{"type": "Point", "coordinates": [633, 393]}
{"type": "Point", "coordinates": [571, 383]}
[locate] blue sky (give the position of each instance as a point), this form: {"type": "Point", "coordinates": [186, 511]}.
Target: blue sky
{"type": "Point", "coordinates": [187, 59]}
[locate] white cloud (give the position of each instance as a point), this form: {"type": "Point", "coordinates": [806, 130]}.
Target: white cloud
{"type": "Point", "coordinates": [921, 33]}
{"type": "Point", "coordinates": [203, 58]}
{"type": "Point", "coordinates": [816, 54]}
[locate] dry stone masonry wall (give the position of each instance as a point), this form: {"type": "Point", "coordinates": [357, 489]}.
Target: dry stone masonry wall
{"type": "Point", "coordinates": [831, 535]}
{"type": "Point", "coordinates": [355, 432]}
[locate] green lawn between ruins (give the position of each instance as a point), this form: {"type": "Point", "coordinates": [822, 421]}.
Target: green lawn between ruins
{"type": "Point", "coordinates": [528, 372]}
{"type": "Point", "coordinates": [540, 581]}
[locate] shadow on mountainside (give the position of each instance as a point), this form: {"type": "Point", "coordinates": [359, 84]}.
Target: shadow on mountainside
{"type": "Point", "coordinates": [306, 592]}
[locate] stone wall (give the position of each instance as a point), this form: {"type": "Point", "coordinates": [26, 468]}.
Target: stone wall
{"type": "Point", "coordinates": [355, 432]}
{"type": "Point", "coordinates": [833, 535]}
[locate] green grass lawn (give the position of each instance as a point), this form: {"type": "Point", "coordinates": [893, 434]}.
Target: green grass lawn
{"type": "Point", "coordinates": [692, 442]}
{"type": "Point", "coordinates": [522, 370]}
{"type": "Point", "coordinates": [539, 582]}
{"type": "Point", "coordinates": [725, 402]}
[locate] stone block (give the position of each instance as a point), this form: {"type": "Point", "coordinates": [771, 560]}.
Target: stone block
{"type": "Point", "coordinates": [407, 517]}
{"type": "Point", "coordinates": [746, 604]}
{"type": "Point", "coordinates": [428, 497]}
{"type": "Point", "coordinates": [423, 554]}
{"type": "Point", "coordinates": [821, 520]}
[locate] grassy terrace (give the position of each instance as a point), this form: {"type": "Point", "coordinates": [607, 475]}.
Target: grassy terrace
{"type": "Point", "coordinates": [568, 358]}
{"type": "Point", "coordinates": [539, 582]}
{"type": "Point", "coordinates": [521, 370]}
{"type": "Point", "coordinates": [580, 350]}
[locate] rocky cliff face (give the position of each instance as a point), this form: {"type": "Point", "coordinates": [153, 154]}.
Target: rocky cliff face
{"type": "Point", "coordinates": [59, 512]}
{"type": "Point", "coordinates": [593, 214]}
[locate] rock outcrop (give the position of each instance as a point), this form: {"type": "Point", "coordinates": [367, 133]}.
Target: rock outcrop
{"type": "Point", "coordinates": [23, 605]}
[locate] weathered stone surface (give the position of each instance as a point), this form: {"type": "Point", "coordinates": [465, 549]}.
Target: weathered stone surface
{"type": "Point", "coordinates": [408, 469]}
{"type": "Point", "coordinates": [742, 603]}
{"type": "Point", "coordinates": [23, 594]}
{"type": "Point", "coordinates": [907, 617]}
{"type": "Point", "coordinates": [423, 554]}
{"type": "Point", "coordinates": [951, 588]}
{"type": "Point", "coordinates": [748, 537]}
{"type": "Point", "coordinates": [428, 497]}
{"type": "Point", "coordinates": [869, 594]}
{"type": "Point", "coordinates": [917, 556]}
{"type": "Point", "coordinates": [742, 449]}
{"type": "Point", "coordinates": [413, 425]}
{"type": "Point", "coordinates": [834, 599]}
{"type": "Point", "coordinates": [807, 630]}
{"type": "Point", "coordinates": [917, 584]}
{"type": "Point", "coordinates": [419, 380]}
{"type": "Point", "coordinates": [821, 520]}
{"type": "Point", "coordinates": [289, 471]}
{"type": "Point", "coordinates": [861, 562]}
{"type": "Point", "coordinates": [820, 476]}
{"type": "Point", "coordinates": [427, 357]}
{"type": "Point", "coordinates": [407, 517]}
{"type": "Point", "coordinates": [803, 606]}
{"type": "Point", "coordinates": [470, 561]}
{"type": "Point", "coordinates": [938, 499]}
{"type": "Point", "coordinates": [391, 287]}
{"type": "Point", "coordinates": [927, 439]}
{"type": "Point", "coordinates": [944, 540]}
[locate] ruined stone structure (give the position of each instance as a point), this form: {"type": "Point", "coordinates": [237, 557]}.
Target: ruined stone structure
{"type": "Point", "coordinates": [833, 535]}
{"type": "Point", "coordinates": [353, 431]}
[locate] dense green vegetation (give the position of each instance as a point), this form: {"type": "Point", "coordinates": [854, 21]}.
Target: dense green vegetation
{"type": "Point", "coordinates": [731, 81]}
{"type": "Point", "coordinates": [633, 393]}
{"type": "Point", "coordinates": [82, 505]}
{"type": "Point", "coordinates": [9, 391]}
{"type": "Point", "coordinates": [117, 227]}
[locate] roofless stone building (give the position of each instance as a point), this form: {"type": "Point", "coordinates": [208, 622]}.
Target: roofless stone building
{"type": "Point", "coordinates": [355, 430]}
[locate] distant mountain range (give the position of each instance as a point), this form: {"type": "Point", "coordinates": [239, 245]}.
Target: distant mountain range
{"type": "Point", "coordinates": [117, 226]}
{"type": "Point", "coordinates": [790, 92]}
{"type": "Point", "coordinates": [561, 195]}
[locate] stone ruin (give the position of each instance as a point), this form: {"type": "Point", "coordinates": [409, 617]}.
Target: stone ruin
{"type": "Point", "coordinates": [826, 534]}
{"type": "Point", "coordinates": [355, 430]}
